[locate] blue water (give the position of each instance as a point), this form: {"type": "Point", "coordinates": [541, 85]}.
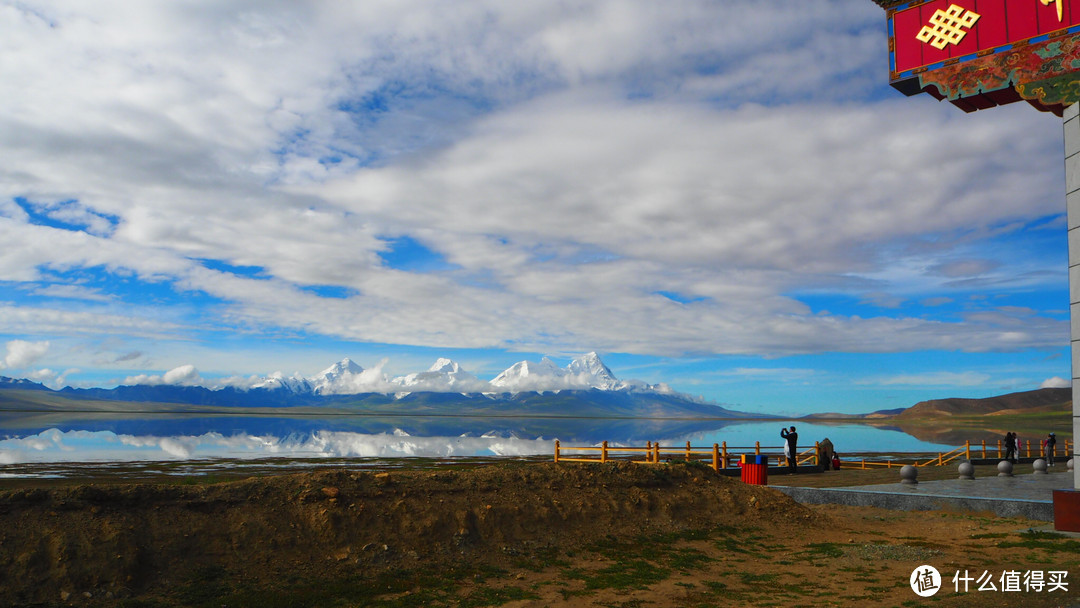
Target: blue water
{"type": "Point", "coordinates": [111, 438]}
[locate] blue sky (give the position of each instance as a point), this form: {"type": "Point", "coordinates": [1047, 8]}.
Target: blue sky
{"type": "Point", "coordinates": [723, 196]}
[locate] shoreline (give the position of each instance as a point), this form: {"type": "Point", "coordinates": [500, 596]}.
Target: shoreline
{"type": "Point", "coordinates": [520, 534]}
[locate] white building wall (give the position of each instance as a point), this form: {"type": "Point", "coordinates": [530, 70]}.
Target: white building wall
{"type": "Point", "coordinates": [1071, 123]}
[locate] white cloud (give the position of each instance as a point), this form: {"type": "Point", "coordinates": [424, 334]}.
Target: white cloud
{"type": "Point", "coordinates": [1055, 382]}
{"type": "Point", "coordinates": [21, 354]}
{"type": "Point", "coordinates": [51, 378]}
{"type": "Point", "coordinates": [370, 380]}
{"type": "Point", "coordinates": [935, 379]}
{"type": "Point", "coordinates": [569, 162]}
{"type": "Point", "coordinates": [15, 320]}
{"type": "Point", "coordinates": [185, 375]}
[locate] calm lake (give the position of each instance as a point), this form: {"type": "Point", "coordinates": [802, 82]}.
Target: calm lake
{"type": "Point", "coordinates": [48, 444]}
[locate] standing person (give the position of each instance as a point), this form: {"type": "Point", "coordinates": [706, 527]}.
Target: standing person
{"type": "Point", "coordinates": [1051, 444]}
{"type": "Point", "coordinates": [1010, 447]}
{"type": "Point", "coordinates": [790, 450]}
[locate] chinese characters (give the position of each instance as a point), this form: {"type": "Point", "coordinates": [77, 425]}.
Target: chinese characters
{"type": "Point", "coordinates": [1037, 581]}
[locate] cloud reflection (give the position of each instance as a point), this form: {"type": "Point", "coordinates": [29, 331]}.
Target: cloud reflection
{"type": "Point", "coordinates": [53, 445]}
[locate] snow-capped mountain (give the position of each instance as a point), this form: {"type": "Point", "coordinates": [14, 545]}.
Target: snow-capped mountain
{"type": "Point", "coordinates": [584, 372]}
{"type": "Point", "coordinates": [443, 376]}
{"type": "Point", "coordinates": [277, 381]}
{"type": "Point", "coordinates": [584, 387]}
{"type": "Point", "coordinates": [343, 377]}
{"type": "Point", "coordinates": [531, 375]}
{"type": "Point", "coordinates": [589, 366]}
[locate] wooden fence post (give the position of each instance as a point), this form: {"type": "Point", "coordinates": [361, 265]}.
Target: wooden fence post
{"type": "Point", "coordinates": [817, 453]}
{"type": "Point", "coordinates": [999, 448]}
{"type": "Point", "coordinates": [984, 449]}
{"type": "Point", "coordinates": [688, 451]}
{"type": "Point", "coordinates": [725, 454]}
{"type": "Point", "coordinates": [603, 452]}
{"type": "Point", "coordinates": [716, 458]}
{"type": "Point", "coordinates": [656, 452]}
{"type": "Point", "coordinates": [757, 447]}
{"type": "Point", "coordinates": [967, 449]}
{"type": "Point", "coordinates": [556, 450]}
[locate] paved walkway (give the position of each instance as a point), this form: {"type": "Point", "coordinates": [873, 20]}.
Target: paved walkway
{"type": "Point", "coordinates": [1029, 496]}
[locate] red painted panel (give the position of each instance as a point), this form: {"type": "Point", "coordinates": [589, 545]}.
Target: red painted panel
{"type": "Point", "coordinates": [1001, 22]}
{"type": "Point", "coordinates": [908, 50]}
{"type": "Point", "coordinates": [1023, 19]}
{"type": "Point", "coordinates": [1048, 19]}
{"type": "Point", "coordinates": [990, 30]}
{"type": "Point", "coordinates": [970, 43]}
{"type": "Point", "coordinates": [931, 54]}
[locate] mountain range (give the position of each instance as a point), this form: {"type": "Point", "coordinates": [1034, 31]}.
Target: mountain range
{"type": "Point", "coordinates": [585, 387]}
{"type": "Point", "coordinates": [346, 377]}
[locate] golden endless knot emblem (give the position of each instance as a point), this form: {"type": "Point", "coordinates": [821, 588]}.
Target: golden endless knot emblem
{"type": "Point", "coordinates": [947, 27]}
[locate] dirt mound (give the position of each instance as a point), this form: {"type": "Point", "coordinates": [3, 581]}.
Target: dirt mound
{"type": "Point", "coordinates": [95, 543]}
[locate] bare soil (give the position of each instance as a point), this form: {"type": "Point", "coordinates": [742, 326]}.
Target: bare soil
{"type": "Point", "coordinates": [515, 534]}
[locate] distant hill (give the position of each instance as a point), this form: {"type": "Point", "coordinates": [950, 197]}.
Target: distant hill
{"type": "Point", "coordinates": [1024, 402]}
{"type": "Point", "coordinates": [1041, 400]}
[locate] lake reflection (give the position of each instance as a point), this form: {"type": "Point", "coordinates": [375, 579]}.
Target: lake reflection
{"type": "Point", "coordinates": [55, 438]}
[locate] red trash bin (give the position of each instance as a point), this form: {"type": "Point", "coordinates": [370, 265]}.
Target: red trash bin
{"type": "Point", "coordinates": [755, 469]}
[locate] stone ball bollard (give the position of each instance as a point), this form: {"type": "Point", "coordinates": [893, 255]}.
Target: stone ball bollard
{"type": "Point", "coordinates": [909, 474]}
{"type": "Point", "coordinates": [1040, 466]}
{"type": "Point", "coordinates": [1005, 469]}
{"type": "Point", "coordinates": [966, 470]}
{"type": "Point", "coordinates": [1070, 464]}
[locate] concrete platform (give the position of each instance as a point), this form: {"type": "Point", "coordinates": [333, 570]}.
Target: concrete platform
{"type": "Point", "coordinates": [1029, 496]}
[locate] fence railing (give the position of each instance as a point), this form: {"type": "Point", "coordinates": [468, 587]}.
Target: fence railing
{"type": "Point", "coordinates": [721, 455]}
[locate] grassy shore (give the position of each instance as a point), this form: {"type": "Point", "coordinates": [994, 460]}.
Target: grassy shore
{"type": "Point", "coordinates": [520, 535]}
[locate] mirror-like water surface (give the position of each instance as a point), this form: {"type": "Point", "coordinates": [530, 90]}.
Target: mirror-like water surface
{"type": "Point", "coordinates": [107, 438]}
